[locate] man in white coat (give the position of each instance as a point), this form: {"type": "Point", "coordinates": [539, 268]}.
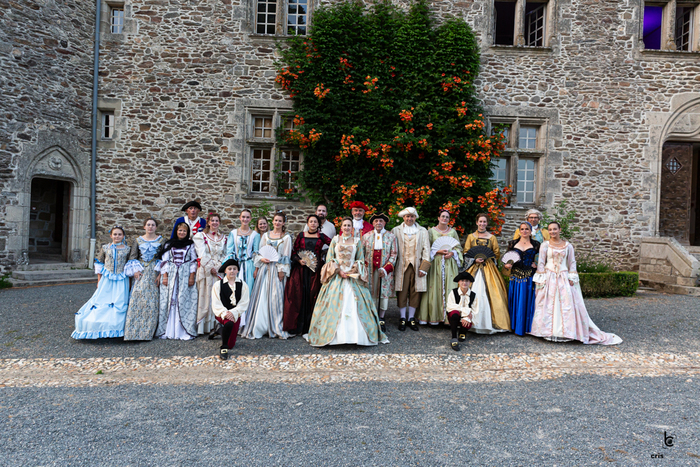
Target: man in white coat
{"type": "Point", "coordinates": [412, 266]}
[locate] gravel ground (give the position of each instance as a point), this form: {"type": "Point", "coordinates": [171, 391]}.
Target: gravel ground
{"type": "Point", "coordinates": [37, 322]}
{"type": "Point", "coordinates": [588, 420]}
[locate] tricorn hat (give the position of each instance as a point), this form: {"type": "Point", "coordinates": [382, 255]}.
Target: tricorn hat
{"type": "Point", "coordinates": [410, 210]}
{"type": "Point", "coordinates": [464, 276]}
{"type": "Point", "coordinates": [381, 215]}
{"type": "Point", "coordinates": [190, 204]}
{"type": "Point", "coordinates": [230, 262]}
{"type": "Point", "coordinates": [358, 204]}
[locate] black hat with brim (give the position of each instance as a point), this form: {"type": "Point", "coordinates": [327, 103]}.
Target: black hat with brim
{"type": "Point", "coordinates": [190, 204]}
{"type": "Point", "coordinates": [230, 262]}
{"type": "Point", "coordinates": [464, 276]}
{"type": "Point", "coordinates": [381, 215]}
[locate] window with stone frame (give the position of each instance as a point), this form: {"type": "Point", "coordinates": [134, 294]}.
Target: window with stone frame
{"type": "Point", "coordinates": [519, 164]}
{"type": "Point", "coordinates": [282, 17]}
{"type": "Point", "coordinates": [116, 20]}
{"type": "Point", "coordinates": [106, 125]}
{"type": "Point", "coordinates": [522, 22]}
{"type": "Point", "coordinates": [671, 25]}
{"type": "Point", "coordinates": [274, 168]}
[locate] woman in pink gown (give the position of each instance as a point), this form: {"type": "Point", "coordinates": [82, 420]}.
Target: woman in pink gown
{"type": "Point", "coordinates": [560, 314]}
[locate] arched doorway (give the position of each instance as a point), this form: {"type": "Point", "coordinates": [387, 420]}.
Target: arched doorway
{"type": "Point", "coordinates": [49, 220]}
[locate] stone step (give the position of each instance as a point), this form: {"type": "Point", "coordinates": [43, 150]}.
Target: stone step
{"type": "Point", "coordinates": [673, 289]}
{"type": "Point", "coordinates": [58, 275]}
{"type": "Point", "coordinates": [46, 266]}
{"type": "Point", "coordinates": [34, 283]}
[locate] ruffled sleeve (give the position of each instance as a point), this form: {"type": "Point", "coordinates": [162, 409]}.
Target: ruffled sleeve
{"type": "Point", "coordinates": [360, 261]}
{"type": "Point", "coordinates": [331, 266]}
{"type": "Point", "coordinates": [132, 267]}
{"type": "Point", "coordinates": [540, 277]}
{"type": "Point", "coordinates": [191, 257]}
{"type": "Point", "coordinates": [230, 247]}
{"type": "Point", "coordinates": [457, 251]}
{"type": "Point", "coordinates": [285, 250]}
{"type": "Point", "coordinates": [100, 260]}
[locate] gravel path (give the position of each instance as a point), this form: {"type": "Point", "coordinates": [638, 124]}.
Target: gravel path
{"type": "Point", "coordinates": [648, 322]}
{"type": "Point", "coordinates": [588, 420]}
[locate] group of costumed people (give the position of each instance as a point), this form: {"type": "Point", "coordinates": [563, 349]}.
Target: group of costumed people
{"type": "Point", "coordinates": [334, 289]}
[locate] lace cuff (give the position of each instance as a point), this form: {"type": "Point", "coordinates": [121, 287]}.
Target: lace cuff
{"type": "Point", "coordinates": [98, 265]}
{"type": "Point", "coordinates": [539, 278]}
{"type": "Point", "coordinates": [132, 267]}
{"type": "Point", "coordinates": [573, 277]}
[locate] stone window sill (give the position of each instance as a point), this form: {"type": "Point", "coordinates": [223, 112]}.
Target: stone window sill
{"type": "Point", "coordinates": [675, 54]}
{"type": "Point", "coordinates": [520, 50]}
{"type": "Point", "coordinates": [269, 37]}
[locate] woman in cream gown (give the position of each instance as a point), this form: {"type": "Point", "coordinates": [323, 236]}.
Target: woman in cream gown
{"type": "Point", "coordinates": [560, 314]}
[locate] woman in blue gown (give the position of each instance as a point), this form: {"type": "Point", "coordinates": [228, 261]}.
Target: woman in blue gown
{"type": "Point", "coordinates": [105, 313]}
{"type": "Point", "coordinates": [521, 291]}
{"type": "Point", "coordinates": [242, 245]}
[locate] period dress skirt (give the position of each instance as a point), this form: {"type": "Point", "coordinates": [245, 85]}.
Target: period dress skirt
{"type": "Point", "coordinates": [142, 317]}
{"type": "Point", "coordinates": [560, 314]}
{"type": "Point", "coordinates": [521, 291]}
{"type": "Point", "coordinates": [210, 251]}
{"type": "Point", "coordinates": [302, 288]}
{"type": "Point", "coordinates": [492, 314]}
{"type": "Point", "coordinates": [440, 281]}
{"type": "Point", "coordinates": [177, 318]}
{"type": "Point", "coordinates": [105, 313]}
{"type": "Point", "coordinates": [242, 249]}
{"type": "Point", "coordinates": [344, 312]}
{"type": "Point", "coordinates": [266, 310]}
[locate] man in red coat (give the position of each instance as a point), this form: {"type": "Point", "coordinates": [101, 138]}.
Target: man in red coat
{"type": "Point", "coordinates": [359, 224]}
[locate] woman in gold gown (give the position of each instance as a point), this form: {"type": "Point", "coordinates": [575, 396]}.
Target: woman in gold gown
{"type": "Point", "coordinates": [491, 315]}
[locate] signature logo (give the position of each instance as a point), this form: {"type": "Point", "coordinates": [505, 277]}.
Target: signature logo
{"type": "Point", "coordinates": [669, 440]}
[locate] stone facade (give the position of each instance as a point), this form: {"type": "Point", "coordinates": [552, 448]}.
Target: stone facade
{"type": "Point", "coordinates": [185, 79]}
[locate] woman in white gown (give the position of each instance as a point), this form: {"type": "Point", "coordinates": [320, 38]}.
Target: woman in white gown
{"type": "Point", "coordinates": [560, 314]}
{"type": "Point", "coordinates": [345, 312]}
{"type": "Point", "coordinates": [266, 309]}
{"type": "Point", "coordinates": [211, 247]}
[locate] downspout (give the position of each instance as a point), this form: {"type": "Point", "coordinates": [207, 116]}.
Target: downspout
{"type": "Point", "coordinates": [93, 158]}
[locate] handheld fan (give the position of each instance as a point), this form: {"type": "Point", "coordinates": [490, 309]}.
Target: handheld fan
{"type": "Point", "coordinates": [309, 258]}
{"type": "Point", "coordinates": [269, 252]}
{"type": "Point", "coordinates": [511, 256]}
{"type": "Point", "coordinates": [479, 251]}
{"type": "Point", "coordinates": [443, 243]}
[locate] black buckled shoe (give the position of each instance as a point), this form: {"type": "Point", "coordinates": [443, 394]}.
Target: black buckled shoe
{"type": "Point", "coordinates": [462, 336]}
{"type": "Point", "coordinates": [455, 345]}
{"type": "Point", "coordinates": [402, 325]}
{"type": "Point", "coordinates": [382, 325]}
{"type": "Point", "coordinates": [412, 324]}
{"type": "Point", "coordinates": [223, 354]}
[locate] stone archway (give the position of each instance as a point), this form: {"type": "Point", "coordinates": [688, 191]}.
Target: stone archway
{"type": "Point", "coordinates": [55, 164]}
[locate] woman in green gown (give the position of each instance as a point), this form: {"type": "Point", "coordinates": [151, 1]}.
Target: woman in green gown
{"type": "Point", "coordinates": [445, 263]}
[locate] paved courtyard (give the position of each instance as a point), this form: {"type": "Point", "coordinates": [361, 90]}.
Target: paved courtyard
{"type": "Point", "coordinates": [502, 400]}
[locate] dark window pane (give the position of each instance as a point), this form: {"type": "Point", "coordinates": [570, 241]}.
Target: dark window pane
{"type": "Point", "coordinates": [271, 29]}
{"type": "Point", "coordinates": [261, 7]}
{"type": "Point", "coordinates": [292, 9]}
{"type": "Point", "coordinates": [301, 30]}
{"type": "Point", "coordinates": [653, 17]}
{"type": "Point", "coordinates": [272, 8]}
{"type": "Point", "coordinates": [261, 18]}
{"type": "Point", "coordinates": [505, 23]}
{"type": "Point", "coordinates": [301, 9]}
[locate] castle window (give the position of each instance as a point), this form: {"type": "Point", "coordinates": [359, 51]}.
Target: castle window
{"type": "Point", "coordinates": [274, 168]}
{"type": "Point", "coordinates": [670, 25]}
{"type": "Point", "coordinates": [521, 161]}
{"type": "Point", "coordinates": [290, 16]}
{"type": "Point", "coordinates": [522, 22]}
{"type": "Point", "coordinates": [107, 124]}
{"type": "Point", "coordinates": [116, 20]}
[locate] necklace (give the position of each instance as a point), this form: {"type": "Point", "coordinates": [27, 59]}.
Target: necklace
{"type": "Point", "coordinates": [437, 227]}
{"type": "Point", "coordinates": [247, 232]}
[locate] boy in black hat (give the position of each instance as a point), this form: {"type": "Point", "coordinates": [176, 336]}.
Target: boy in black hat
{"type": "Point", "coordinates": [196, 223]}
{"type": "Point", "coordinates": [461, 303]}
{"type": "Point", "coordinates": [229, 300]}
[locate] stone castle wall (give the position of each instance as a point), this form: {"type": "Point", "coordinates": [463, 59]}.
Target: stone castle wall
{"type": "Point", "coordinates": [183, 75]}
{"type": "Point", "coordinates": [46, 49]}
